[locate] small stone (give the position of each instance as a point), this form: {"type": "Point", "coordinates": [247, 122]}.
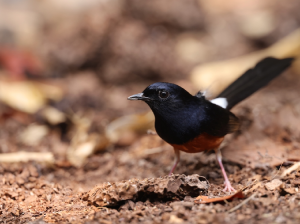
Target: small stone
{"type": "Point", "coordinates": [49, 196]}
{"type": "Point", "coordinates": [179, 205]}
{"type": "Point", "coordinates": [131, 204]}
{"type": "Point", "coordinates": [175, 219]}
{"type": "Point", "coordinates": [20, 180]}
{"type": "Point", "coordinates": [273, 184]}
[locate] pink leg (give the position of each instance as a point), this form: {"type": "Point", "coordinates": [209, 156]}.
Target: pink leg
{"type": "Point", "coordinates": [177, 159]}
{"type": "Point", "coordinates": [227, 183]}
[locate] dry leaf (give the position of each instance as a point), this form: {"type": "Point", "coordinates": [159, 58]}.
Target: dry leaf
{"type": "Point", "coordinates": [205, 199]}
{"type": "Point", "coordinates": [21, 95]}
{"type": "Point", "coordinates": [84, 144]}
{"type": "Point", "coordinates": [27, 96]}
{"type": "Point", "coordinates": [78, 153]}
{"type": "Point", "coordinates": [50, 90]}
{"type": "Point", "coordinates": [129, 123]}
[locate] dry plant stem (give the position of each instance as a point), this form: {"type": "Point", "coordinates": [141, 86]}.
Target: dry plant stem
{"type": "Point", "coordinates": [242, 203]}
{"type": "Point", "coordinates": [291, 169]}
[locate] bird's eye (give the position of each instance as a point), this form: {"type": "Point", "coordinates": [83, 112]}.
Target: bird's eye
{"type": "Point", "coordinates": [163, 94]}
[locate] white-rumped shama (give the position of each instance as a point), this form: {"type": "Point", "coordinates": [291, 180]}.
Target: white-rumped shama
{"type": "Point", "coordinates": [193, 123]}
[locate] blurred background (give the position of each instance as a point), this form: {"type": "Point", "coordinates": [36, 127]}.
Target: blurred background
{"type": "Point", "coordinates": [67, 68]}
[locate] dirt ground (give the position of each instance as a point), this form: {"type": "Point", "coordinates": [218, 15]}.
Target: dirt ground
{"type": "Point", "coordinates": [73, 149]}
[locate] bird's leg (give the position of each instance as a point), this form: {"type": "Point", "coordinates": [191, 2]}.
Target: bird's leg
{"type": "Point", "coordinates": [227, 183]}
{"type": "Point", "coordinates": [177, 159]}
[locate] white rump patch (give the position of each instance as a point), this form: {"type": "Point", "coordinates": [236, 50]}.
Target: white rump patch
{"type": "Point", "coordinates": [222, 102]}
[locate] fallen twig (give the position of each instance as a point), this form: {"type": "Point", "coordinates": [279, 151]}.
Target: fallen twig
{"type": "Point", "coordinates": [291, 169]}
{"type": "Point", "coordinates": [242, 203]}
{"type": "Point", "coordinates": [44, 157]}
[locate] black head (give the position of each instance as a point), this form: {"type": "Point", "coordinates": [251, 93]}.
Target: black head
{"type": "Point", "coordinates": [176, 111]}
{"type": "Point", "coordinates": [163, 95]}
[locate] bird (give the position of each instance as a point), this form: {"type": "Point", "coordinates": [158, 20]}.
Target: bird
{"type": "Point", "coordinates": [193, 123]}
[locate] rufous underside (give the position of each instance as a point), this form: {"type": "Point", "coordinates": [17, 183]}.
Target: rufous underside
{"type": "Point", "coordinates": [201, 143]}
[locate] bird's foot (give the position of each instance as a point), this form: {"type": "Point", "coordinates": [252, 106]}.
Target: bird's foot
{"type": "Point", "coordinates": [228, 187]}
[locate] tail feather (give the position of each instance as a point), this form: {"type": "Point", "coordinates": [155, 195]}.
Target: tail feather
{"type": "Point", "coordinates": [254, 79]}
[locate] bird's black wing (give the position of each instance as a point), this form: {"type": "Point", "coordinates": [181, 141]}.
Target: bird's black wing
{"type": "Point", "coordinates": [218, 121]}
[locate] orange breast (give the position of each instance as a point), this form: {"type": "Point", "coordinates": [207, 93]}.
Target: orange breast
{"type": "Point", "coordinates": [201, 143]}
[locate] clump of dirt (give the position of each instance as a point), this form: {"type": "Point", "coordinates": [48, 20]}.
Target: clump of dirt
{"type": "Point", "coordinates": [168, 187]}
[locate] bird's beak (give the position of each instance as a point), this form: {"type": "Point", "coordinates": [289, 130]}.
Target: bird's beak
{"type": "Point", "coordinates": [139, 96]}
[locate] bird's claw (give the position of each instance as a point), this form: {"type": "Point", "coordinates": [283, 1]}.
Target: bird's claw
{"type": "Point", "coordinates": [228, 187]}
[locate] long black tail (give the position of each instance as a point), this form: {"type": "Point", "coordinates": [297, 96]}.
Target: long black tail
{"type": "Point", "coordinates": [254, 79]}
